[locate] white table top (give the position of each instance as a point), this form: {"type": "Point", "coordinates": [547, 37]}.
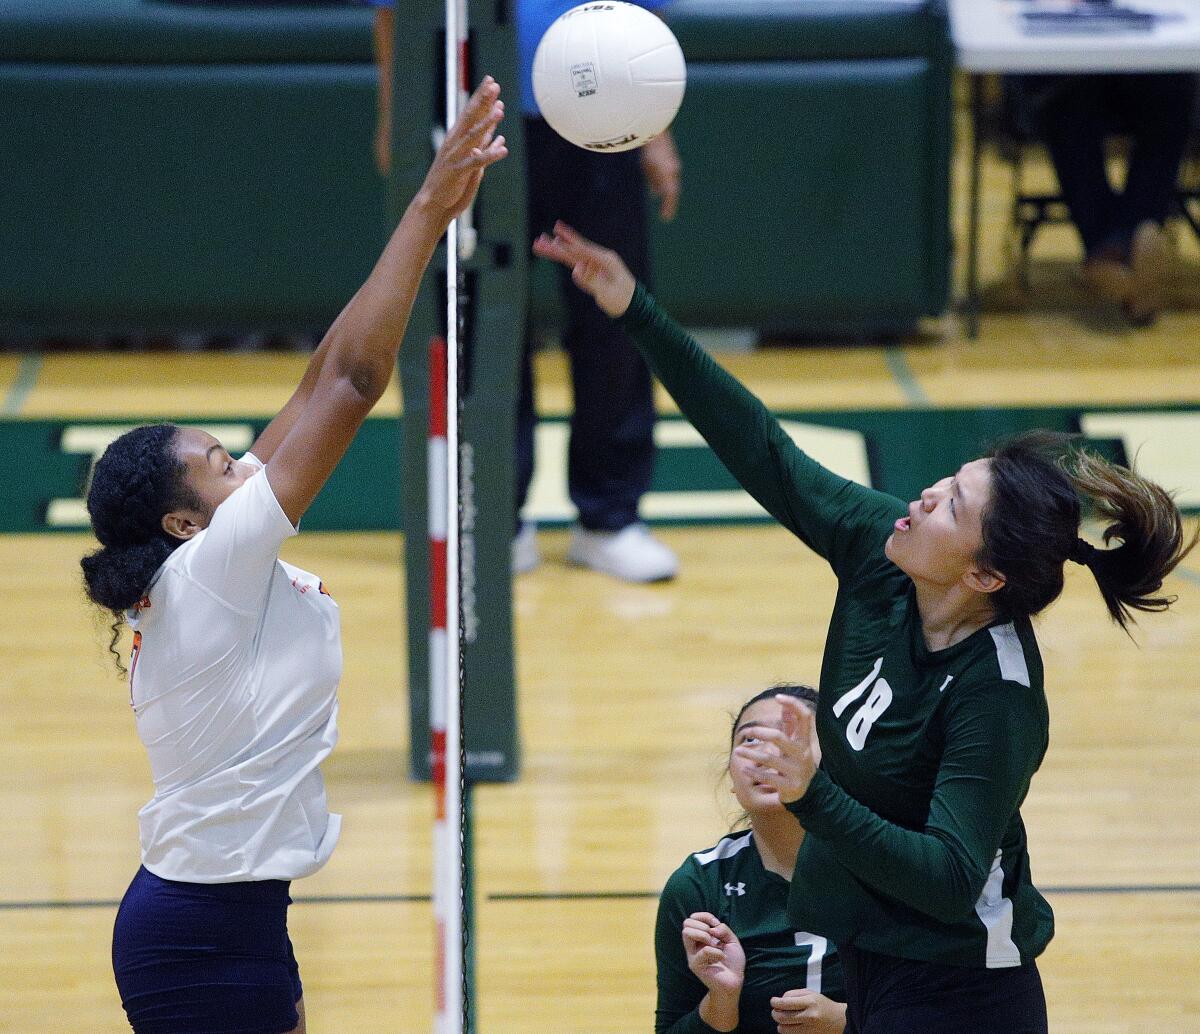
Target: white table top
{"type": "Point", "coordinates": [989, 36]}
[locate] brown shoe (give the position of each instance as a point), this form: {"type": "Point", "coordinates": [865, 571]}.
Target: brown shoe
{"type": "Point", "coordinates": [1150, 257]}
{"type": "Point", "coordinates": [1109, 279]}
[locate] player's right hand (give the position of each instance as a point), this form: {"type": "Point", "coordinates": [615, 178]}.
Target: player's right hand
{"type": "Point", "coordinates": [714, 953]}
{"type": "Point", "coordinates": [471, 145]}
{"type": "Point", "coordinates": [596, 270]}
{"type": "Point", "coordinates": [786, 757]}
{"type": "Point", "coordinates": [806, 1012]}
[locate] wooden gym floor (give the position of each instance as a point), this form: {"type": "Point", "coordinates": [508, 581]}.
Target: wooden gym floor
{"type": "Point", "coordinates": [624, 699]}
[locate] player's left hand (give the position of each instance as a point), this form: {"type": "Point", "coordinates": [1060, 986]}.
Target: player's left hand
{"type": "Point", "coordinates": [597, 271]}
{"type": "Point", "coordinates": [663, 171]}
{"type": "Point", "coordinates": [805, 1012]}
{"type": "Point", "coordinates": [788, 756]}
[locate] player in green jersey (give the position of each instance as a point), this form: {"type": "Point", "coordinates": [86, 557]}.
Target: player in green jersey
{"type": "Point", "coordinates": [932, 715]}
{"type": "Point", "coordinates": [729, 958]}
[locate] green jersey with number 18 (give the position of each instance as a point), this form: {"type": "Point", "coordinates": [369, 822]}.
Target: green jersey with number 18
{"type": "Point", "coordinates": [915, 845]}
{"type": "Point", "coordinates": [730, 882]}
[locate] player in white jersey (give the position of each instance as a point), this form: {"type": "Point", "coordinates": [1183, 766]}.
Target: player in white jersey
{"type": "Point", "coordinates": [236, 655]}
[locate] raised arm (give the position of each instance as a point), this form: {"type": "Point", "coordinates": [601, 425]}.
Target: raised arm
{"type": "Point", "coordinates": [277, 430]}
{"type": "Point", "coordinates": [350, 371]}
{"type": "Point", "coordinates": [831, 514]}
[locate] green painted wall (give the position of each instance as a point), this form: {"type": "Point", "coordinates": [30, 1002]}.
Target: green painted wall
{"type": "Point", "coordinates": [901, 451]}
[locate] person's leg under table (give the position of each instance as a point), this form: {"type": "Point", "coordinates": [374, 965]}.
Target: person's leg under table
{"type": "Point", "coordinates": [1073, 122]}
{"type": "Point", "coordinates": [1158, 109]}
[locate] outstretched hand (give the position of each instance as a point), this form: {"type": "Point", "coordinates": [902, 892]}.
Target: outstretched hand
{"type": "Point", "coordinates": [471, 145]}
{"type": "Point", "coordinates": [595, 270]}
{"type": "Point", "coordinates": [787, 757]}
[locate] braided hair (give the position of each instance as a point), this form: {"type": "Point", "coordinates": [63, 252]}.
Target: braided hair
{"type": "Point", "coordinates": [137, 480]}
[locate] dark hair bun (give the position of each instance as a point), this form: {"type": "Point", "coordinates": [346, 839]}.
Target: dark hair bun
{"type": "Point", "coordinates": [117, 576]}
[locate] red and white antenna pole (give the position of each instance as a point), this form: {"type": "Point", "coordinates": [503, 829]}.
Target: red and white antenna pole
{"type": "Point", "coordinates": [445, 655]}
{"type": "Point", "coordinates": [444, 725]}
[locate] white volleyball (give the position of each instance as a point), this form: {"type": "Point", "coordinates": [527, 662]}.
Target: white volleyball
{"type": "Point", "coordinates": [608, 76]}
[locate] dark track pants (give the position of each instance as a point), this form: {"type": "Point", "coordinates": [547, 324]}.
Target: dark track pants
{"type": "Point", "coordinates": [611, 456]}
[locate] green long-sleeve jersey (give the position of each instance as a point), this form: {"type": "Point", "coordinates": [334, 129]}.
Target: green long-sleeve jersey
{"type": "Point", "coordinates": [729, 881]}
{"type": "Point", "coordinates": [916, 847]}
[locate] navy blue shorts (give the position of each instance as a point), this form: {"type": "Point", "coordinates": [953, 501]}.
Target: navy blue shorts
{"type": "Point", "coordinates": [199, 958]}
{"type": "Point", "coordinates": [886, 995]}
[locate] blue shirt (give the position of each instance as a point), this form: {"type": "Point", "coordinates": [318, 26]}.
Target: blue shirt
{"type": "Point", "coordinates": [534, 17]}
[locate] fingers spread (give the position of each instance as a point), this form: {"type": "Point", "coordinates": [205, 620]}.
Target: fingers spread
{"type": "Point", "coordinates": [483, 157]}
{"type": "Point", "coordinates": [566, 232]}
{"type": "Point", "coordinates": [547, 247]}
{"type": "Point", "coordinates": [477, 135]}
{"type": "Point", "coordinates": [478, 119]}
{"type": "Point", "coordinates": [556, 249]}
{"type": "Point", "coordinates": [482, 98]}
{"type": "Point", "coordinates": [756, 754]}
{"type": "Point", "coordinates": [486, 126]}
{"type": "Point", "coordinates": [574, 239]}
{"type": "Point", "coordinates": [490, 127]}
{"type": "Point", "coordinates": [797, 717]}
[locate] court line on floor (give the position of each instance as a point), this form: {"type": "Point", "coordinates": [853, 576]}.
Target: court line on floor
{"type": "Point", "coordinates": [897, 363]}
{"type": "Point", "coordinates": [579, 895]}
{"type": "Point", "coordinates": [318, 899]}
{"type": "Point", "coordinates": [635, 895]}
{"type": "Point", "coordinates": [23, 384]}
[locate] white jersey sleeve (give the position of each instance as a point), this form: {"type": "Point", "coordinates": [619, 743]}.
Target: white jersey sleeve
{"type": "Point", "coordinates": [234, 557]}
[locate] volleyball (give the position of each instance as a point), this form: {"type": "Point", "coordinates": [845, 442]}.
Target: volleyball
{"type": "Point", "coordinates": [608, 76]}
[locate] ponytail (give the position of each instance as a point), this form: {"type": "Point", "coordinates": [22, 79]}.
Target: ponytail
{"type": "Point", "coordinates": [1031, 527]}
{"type": "Point", "coordinates": [137, 480]}
{"type": "Point", "coordinates": [1145, 520]}
{"type": "Point", "coordinates": [116, 577]}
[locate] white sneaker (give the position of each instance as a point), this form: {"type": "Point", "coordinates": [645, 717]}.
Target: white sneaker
{"type": "Point", "coordinates": [632, 553]}
{"type": "Point", "coordinates": [525, 554]}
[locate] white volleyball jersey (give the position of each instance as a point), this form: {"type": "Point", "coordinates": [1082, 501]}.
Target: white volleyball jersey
{"type": "Point", "coordinates": [233, 681]}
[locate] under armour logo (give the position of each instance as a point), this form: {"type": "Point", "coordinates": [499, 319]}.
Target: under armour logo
{"type": "Point", "coordinates": [730, 889]}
